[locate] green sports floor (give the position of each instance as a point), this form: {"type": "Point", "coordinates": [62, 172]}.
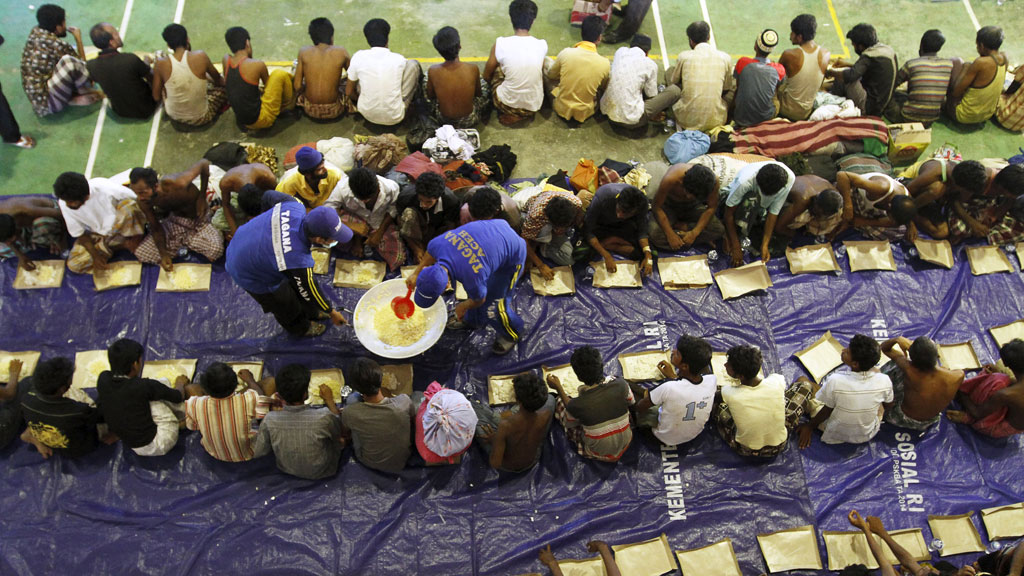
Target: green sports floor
{"type": "Point", "coordinates": [67, 140]}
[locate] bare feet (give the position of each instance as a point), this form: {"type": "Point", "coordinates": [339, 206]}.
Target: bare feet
{"type": "Point", "coordinates": [29, 438]}
{"type": "Point", "coordinates": [86, 99]}
{"type": "Point", "coordinates": [25, 142]}
{"type": "Point", "coordinates": [958, 416]}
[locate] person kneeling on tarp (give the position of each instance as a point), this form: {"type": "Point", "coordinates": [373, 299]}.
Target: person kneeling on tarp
{"type": "Point", "coordinates": [994, 401]}
{"type": "Point", "coordinates": [487, 257]}
{"type": "Point", "coordinates": [676, 411]}
{"type": "Point", "coordinates": [515, 439]}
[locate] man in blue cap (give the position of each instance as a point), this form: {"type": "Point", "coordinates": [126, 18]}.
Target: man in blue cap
{"type": "Point", "coordinates": [312, 181]}
{"type": "Point", "coordinates": [270, 259]}
{"type": "Point", "coordinates": [486, 256]}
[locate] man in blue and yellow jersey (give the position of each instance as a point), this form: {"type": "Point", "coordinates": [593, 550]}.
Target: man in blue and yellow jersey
{"type": "Point", "coordinates": [269, 257]}
{"type": "Point", "coordinates": [487, 257]}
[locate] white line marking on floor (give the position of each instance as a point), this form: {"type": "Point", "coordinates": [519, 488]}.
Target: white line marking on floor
{"type": "Point", "coordinates": [151, 147]}
{"type": "Point", "coordinates": [707, 18]}
{"type": "Point", "coordinates": [96, 139]}
{"type": "Point", "coordinates": [123, 31]}
{"type": "Point", "coordinates": [661, 34]}
{"type": "Point", "coordinates": [155, 128]}
{"type": "Point", "coordinates": [970, 12]}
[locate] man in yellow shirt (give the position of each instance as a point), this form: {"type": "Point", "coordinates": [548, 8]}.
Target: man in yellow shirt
{"type": "Point", "coordinates": [580, 74]}
{"type": "Point", "coordinates": [311, 182]}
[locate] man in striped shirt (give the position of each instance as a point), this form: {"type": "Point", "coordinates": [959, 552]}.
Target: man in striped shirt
{"type": "Point", "coordinates": [597, 420]}
{"type": "Point", "coordinates": [927, 79]}
{"type": "Point", "coordinates": [225, 417]}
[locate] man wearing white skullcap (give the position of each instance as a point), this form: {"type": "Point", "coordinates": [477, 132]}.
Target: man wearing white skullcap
{"type": "Point", "coordinates": [757, 80]}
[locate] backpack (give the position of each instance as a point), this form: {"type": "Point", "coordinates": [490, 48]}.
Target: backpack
{"type": "Point", "coordinates": [500, 160]}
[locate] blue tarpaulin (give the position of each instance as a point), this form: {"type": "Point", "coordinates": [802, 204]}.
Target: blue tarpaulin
{"type": "Point", "coordinates": [186, 513]}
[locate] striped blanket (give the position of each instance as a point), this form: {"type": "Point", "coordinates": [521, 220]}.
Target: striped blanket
{"type": "Point", "coordinates": [777, 138]}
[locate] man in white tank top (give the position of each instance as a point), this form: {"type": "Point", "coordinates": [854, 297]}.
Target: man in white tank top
{"type": "Point", "coordinates": [805, 69]}
{"type": "Point", "coordinates": [516, 65]}
{"type": "Point", "coordinates": [191, 88]}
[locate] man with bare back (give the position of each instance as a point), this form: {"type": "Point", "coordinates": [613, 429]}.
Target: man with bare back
{"type": "Point", "coordinates": [921, 388]}
{"type": "Point", "coordinates": [684, 208]}
{"type": "Point", "coordinates": [454, 90]}
{"type": "Point", "coordinates": [514, 438]}
{"type": "Point", "coordinates": [30, 223]}
{"type": "Point", "coordinates": [231, 216]}
{"type": "Point", "coordinates": [318, 83]}
{"type": "Point", "coordinates": [177, 214]}
{"type": "Point", "coordinates": [805, 69]}
{"type": "Point", "coordinates": [814, 206]}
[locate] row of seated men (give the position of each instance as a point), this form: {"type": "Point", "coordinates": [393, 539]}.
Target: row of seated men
{"type": "Point", "coordinates": [735, 199]}
{"type": "Point", "coordinates": [704, 90]}
{"type": "Point", "coordinates": [240, 418]}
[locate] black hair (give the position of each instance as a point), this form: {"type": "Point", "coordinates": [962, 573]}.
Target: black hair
{"type": "Point", "coordinates": [695, 352]}
{"type": "Point", "coordinates": [530, 391]}
{"type": "Point", "coordinates": [1017, 210]}
{"type": "Point", "coordinates": [698, 32]}
{"type": "Point", "coordinates": [855, 570]}
{"type": "Point", "coordinates": [924, 355]}
{"type": "Point", "coordinates": [745, 361]}
{"type": "Point", "coordinates": [586, 363]}
{"type": "Point", "coordinates": [971, 176]}
{"type": "Point", "coordinates": [377, 31]}
{"type": "Point", "coordinates": [805, 26]}
{"type": "Point", "coordinates": [863, 34]}
{"type": "Point", "coordinates": [364, 376]}
{"type": "Point", "coordinates": [447, 43]}
{"type": "Point", "coordinates": [176, 36]}
{"type": "Point", "coordinates": [1010, 179]}
{"type": "Point", "coordinates": [321, 31]}
{"type": "Point", "coordinates": [52, 375]}
{"type": "Point", "coordinates": [865, 352]}
{"type": "Point", "coordinates": [561, 212]}
{"type": "Point", "coordinates": [236, 37]}
{"type": "Point", "coordinates": [1012, 354]}
{"type": "Point", "coordinates": [146, 175]}
{"type": "Point", "coordinates": [250, 200]}
{"type": "Point", "coordinates": [932, 41]}
{"type": "Point", "coordinates": [641, 41]}
{"type": "Point", "coordinates": [902, 209]}
{"type": "Point", "coordinates": [631, 200]}
{"type": "Point", "coordinates": [699, 181]}
{"type": "Point", "coordinates": [430, 184]}
{"type": "Point", "coordinates": [485, 203]}
{"type": "Point", "coordinates": [49, 16]}
{"type": "Point", "coordinates": [123, 354]}
{"type": "Point", "coordinates": [293, 383]}
{"type": "Point", "coordinates": [990, 37]}
{"type": "Point", "coordinates": [363, 183]}
{"type": "Point", "coordinates": [219, 380]}
{"type": "Point", "coordinates": [7, 227]}
{"type": "Point", "coordinates": [522, 13]}
{"type": "Point", "coordinates": [771, 179]}
{"type": "Point", "coordinates": [592, 28]}
{"type": "Point", "coordinates": [827, 202]}
{"type": "Point", "coordinates": [100, 36]}
{"type": "Point", "coordinates": [71, 187]}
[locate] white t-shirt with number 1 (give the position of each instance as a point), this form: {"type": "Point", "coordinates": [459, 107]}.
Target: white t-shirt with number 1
{"type": "Point", "coordinates": [683, 408]}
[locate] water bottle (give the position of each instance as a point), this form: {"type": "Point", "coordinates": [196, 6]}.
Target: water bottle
{"type": "Point", "coordinates": [345, 391]}
{"type": "Point", "coordinates": [1010, 248]}
{"type": "Point", "coordinates": [661, 88]}
{"type": "Point", "coordinates": [670, 126]}
{"type": "Point", "coordinates": [912, 252]}
{"type": "Point", "coordinates": [935, 546]}
{"type": "Point", "coordinates": [841, 250]}
{"type": "Point", "coordinates": [820, 239]}
{"type": "Point", "coordinates": [712, 256]}
{"type": "Point", "coordinates": [182, 252]}
{"type": "Point", "coordinates": [745, 244]}
{"type": "Point", "coordinates": [367, 251]}
{"type": "Point", "coordinates": [995, 546]}
{"type": "Point", "coordinates": [588, 274]}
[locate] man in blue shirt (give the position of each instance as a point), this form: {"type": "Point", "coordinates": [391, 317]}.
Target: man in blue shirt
{"type": "Point", "coordinates": [269, 257]}
{"type": "Point", "coordinates": [486, 256]}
